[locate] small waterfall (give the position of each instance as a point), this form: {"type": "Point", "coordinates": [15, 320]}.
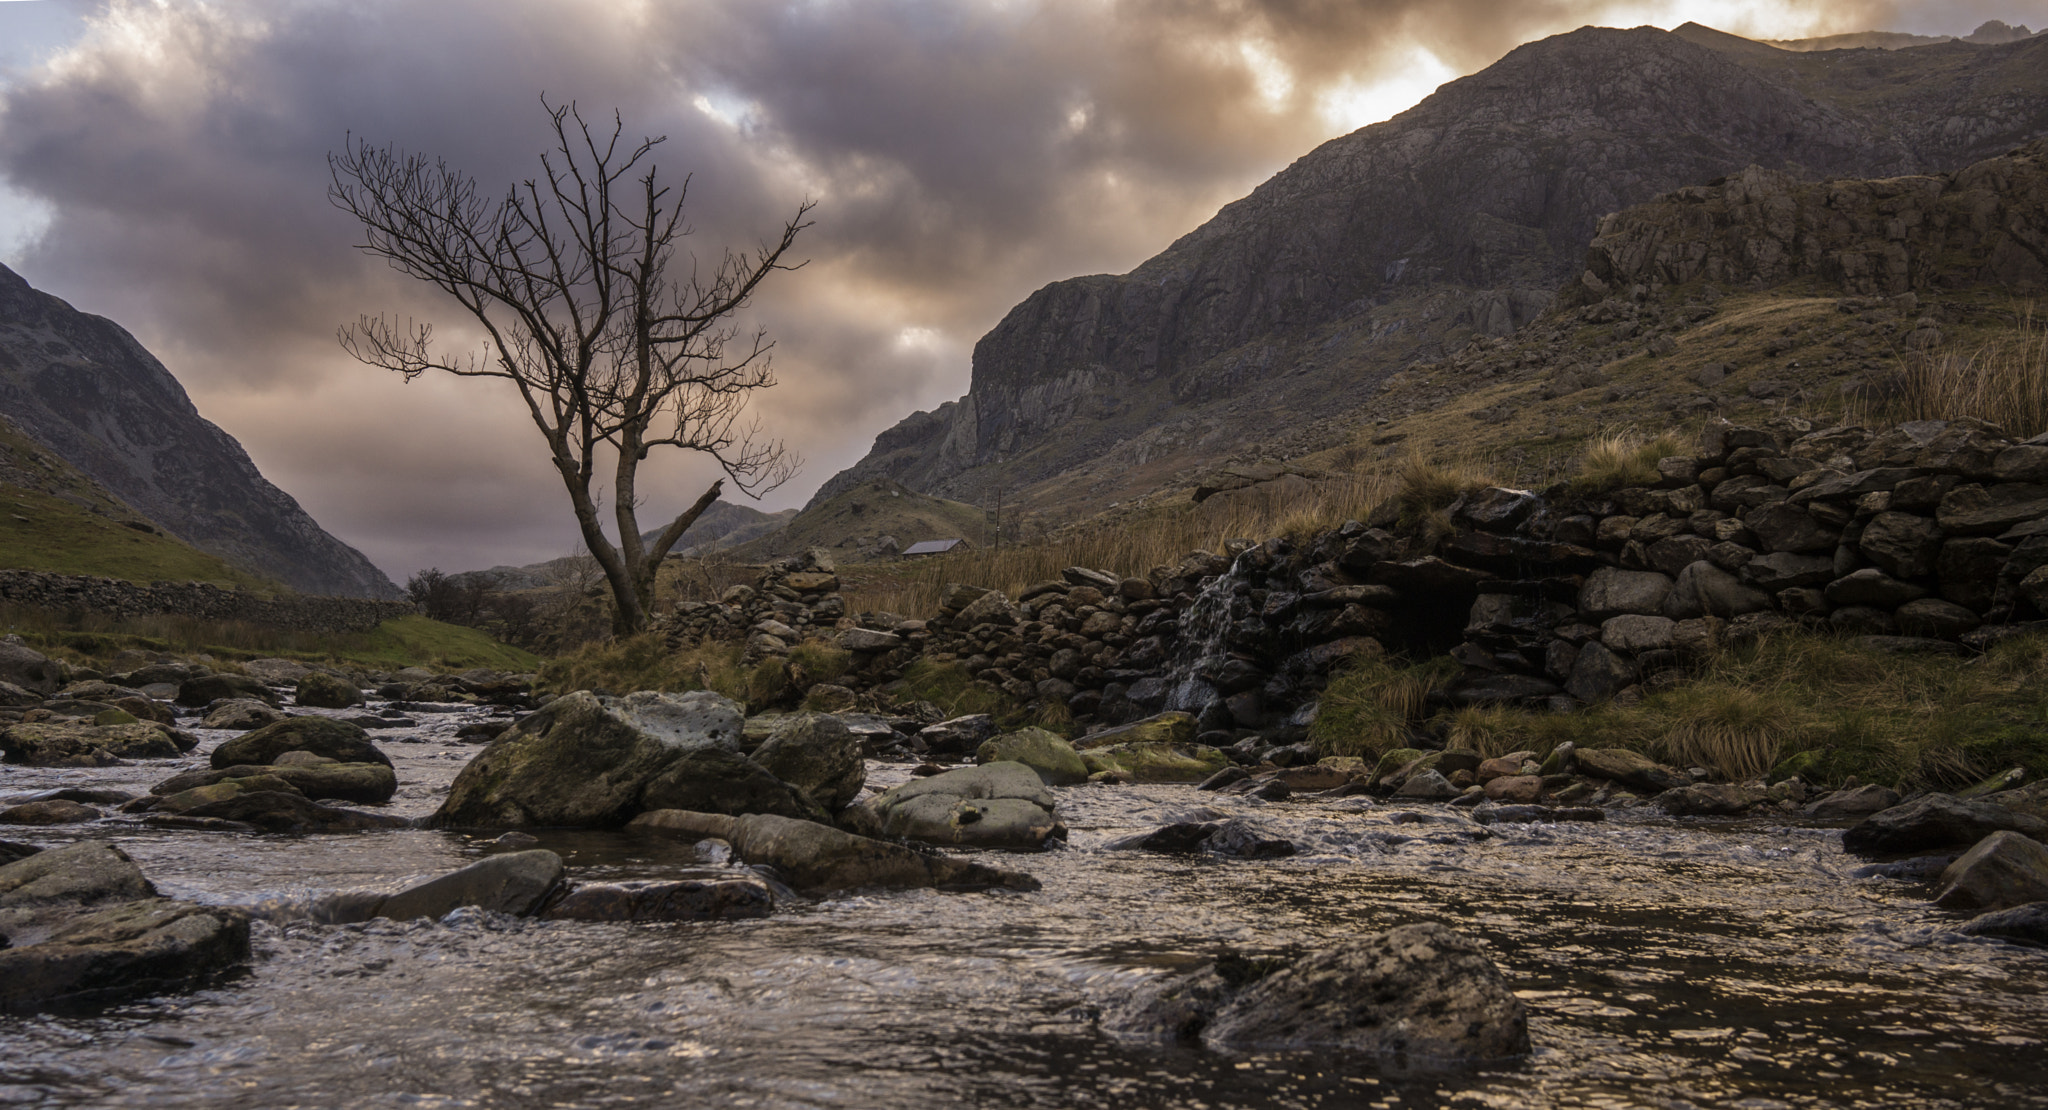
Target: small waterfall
{"type": "Point", "coordinates": [1203, 629]}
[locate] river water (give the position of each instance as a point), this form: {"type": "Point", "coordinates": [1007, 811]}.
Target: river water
{"type": "Point", "coordinates": [1665, 964]}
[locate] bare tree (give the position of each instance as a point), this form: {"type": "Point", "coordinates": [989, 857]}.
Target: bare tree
{"type": "Point", "coordinates": [568, 274]}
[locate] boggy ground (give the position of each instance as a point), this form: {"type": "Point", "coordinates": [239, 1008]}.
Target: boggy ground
{"type": "Point", "coordinates": [1665, 961]}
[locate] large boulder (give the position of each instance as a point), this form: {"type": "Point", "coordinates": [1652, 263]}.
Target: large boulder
{"type": "Point", "coordinates": [29, 669]}
{"type": "Point", "coordinates": [1155, 762]}
{"type": "Point", "coordinates": [324, 691]}
{"type": "Point", "coordinates": [337, 740]}
{"type": "Point", "coordinates": [209, 688]}
{"type": "Point", "coordinates": [1933, 822]}
{"type": "Point", "coordinates": [513, 882]}
{"type": "Point", "coordinates": [241, 715]}
{"type": "Point", "coordinates": [996, 805]}
{"type": "Point", "coordinates": [811, 856]}
{"type": "Point", "coordinates": [75, 744]}
{"type": "Point", "coordinates": [135, 948]}
{"type": "Point", "coordinates": [715, 780]}
{"type": "Point", "coordinates": [2004, 870]}
{"type": "Point", "coordinates": [364, 783]}
{"type": "Point", "coordinates": [817, 754]}
{"type": "Point", "coordinates": [586, 759]}
{"type": "Point", "coordinates": [1055, 760]}
{"type": "Point", "coordinates": [1416, 999]}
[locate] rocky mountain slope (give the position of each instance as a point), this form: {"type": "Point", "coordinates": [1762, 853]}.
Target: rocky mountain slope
{"type": "Point", "coordinates": [82, 387]}
{"type": "Point", "coordinates": [1397, 244]}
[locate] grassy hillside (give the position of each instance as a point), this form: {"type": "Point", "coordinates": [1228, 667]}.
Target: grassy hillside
{"type": "Point", "coordinates": [411, 641]}
{"type": "Point", "coordinates": [867, 512]}
{"type": "Point", "coordinates": [54, 518]}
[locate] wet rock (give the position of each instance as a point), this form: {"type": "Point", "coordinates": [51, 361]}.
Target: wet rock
{"type": "Point", "coordinates": [50, 811]}
{"type": "Point", "coordinates": [42, 890]}
{"type": "Point", "coordinates": [362, 783]}
{"type": "Point", "coordinates": [337, 740]}
{"type": "Point", "coordinates": [1055, 760]}
{"type": "Point", "coordinates": [241, 715]}
{"type": "Point", "coordinates": [206, 689]}
{"type": "Point", "coordinates": [1226, 777]}
{"type": "Point", "coordinates": [1239, 838]}
{"type": "Point", "coordinates": [1155, 762]}
{"type": "Point", "coordinates": [2004, 870]}
{"type": "Point", "coordinates": [277, 811]}
{"type": "Point", "coordinates": [725, 896]}
{"type": "Point", "coordinates": [586, 760]}
{"type": "Point", "coordinates": [1515, 789]}
{"type": "Point", "coordinates": [66, 744]}
{"type": "Point", "coordinates": [715, 780]}
{"type": "Point", "coordinates": [28, 669]}
{"type": "Point", "coordinates": [996, 805]}
{"type": "Point", "coordinates": [1491, 814]}
{"type": "Point", "coordinates": [512, 882]}
{"type": "Point", "coordinates": [958, 735]}
{"type": "Point", "coordinates": [1427, 784]}
{"type": "Point", "coordinates": [324, 691]}
{"type": "Point", "coordinates": [138, 948]}
{"type": "Point", "coordinates": [1628, 768]}
{"type": "Point", "coordinates": [1164, 728]}
{"type": "Point", "coordinates": [1935, 821]}
{"type": "Point", "coordinates": [2027, 924]}
{"type": "Point", "coordinates": [1418, 999]}
{"type": "Point", "coordinates": [810, 856]}
{"type": "Point", "coordinates": [817, 754]}
{"type": "Point", "coordinates": [1709, 800]}
{"type": "Point", "coordinates": [1853, 804]}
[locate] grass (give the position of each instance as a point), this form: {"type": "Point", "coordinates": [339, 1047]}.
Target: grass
{"type": "Point", "coordinates": [2002, 381]}
{"type": "Point", "coordinates": [1373, 706]}
{"type": "Point", "coordinates": [949, 688]}
{"type": "Point", "coordinates": [1913, 722]}
{"type": "Point", "coordinates": [42, 532]}
{"type": "Point", "coordinates": [400, 642]}
{"type": "Point", "coordinates": [1622, 458]}
{"type": "Point", "coordinates": [643, 662]}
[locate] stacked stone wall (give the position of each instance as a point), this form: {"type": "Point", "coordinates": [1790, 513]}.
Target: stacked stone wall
{"type": "Point", "coordinates": [118, 598]}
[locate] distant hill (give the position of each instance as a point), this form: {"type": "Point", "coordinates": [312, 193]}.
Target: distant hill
{"type": "Point", "coordinates": [1399, 244]}
{"type": "Point", "coordinates": [1990, 33]}
{"type": "Point", "coordinates": [723, 525]}
{"type": "Point", "coordinates": [81, 387]}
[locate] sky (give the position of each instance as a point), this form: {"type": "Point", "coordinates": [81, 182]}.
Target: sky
{"type": "Point", "coordinates": [163, 163]}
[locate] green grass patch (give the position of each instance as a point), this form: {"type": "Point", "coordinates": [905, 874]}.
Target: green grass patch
{"type": "Point", "coordinates": [41, 532]}
{"type": "Point", "coordinates": [948, 687]}
{"type": "Point", "coordinates": [410, 641]}
{"type": "Point", "coordinates": [1374, 705]}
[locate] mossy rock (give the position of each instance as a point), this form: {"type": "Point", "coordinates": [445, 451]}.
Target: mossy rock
{"type": "Point", "coordinates": [324, 691]}
{"type": "Point", "coordinates": [1156, 762]}
{"type": "Point", "coordinates": [115, 717]}
{"type": "Point", "coordinates": [1055, 760]}
{"type": "Point", "coordinates": [1803, 766]}
{"type": "Point", "coordinates": [1393, 761]}
{"type": "Point", "coordinates": [337, 740]}
{"type": "Point", "coordinates": [76, 744]}
{"type": "Point", "coordinates": [1165, 728]}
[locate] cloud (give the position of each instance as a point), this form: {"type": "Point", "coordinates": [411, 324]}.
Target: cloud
{"type": "Point", "coordinates": [963, 153]}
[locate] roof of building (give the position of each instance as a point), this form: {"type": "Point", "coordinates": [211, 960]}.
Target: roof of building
{"type": "Point", "coordinates": [932, 547]}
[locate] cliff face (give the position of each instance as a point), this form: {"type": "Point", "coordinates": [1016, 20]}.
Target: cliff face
{"type": "Point", "coordinates": [1457, 217]}
{"type": "Point", "coordinates": [87, 391]}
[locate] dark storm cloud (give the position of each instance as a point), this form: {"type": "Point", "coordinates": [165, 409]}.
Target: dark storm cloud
{"type": "Point", "coordinates": [963, 153]}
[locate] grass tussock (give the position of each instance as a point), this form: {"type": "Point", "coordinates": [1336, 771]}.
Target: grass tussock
{"type": "Point", "coordinates": [955, 694]}
{"type": "Point", "coordinates": [2003, 381]}
{"type": "Point", "coordinates": [1427, 488]}
{"type": "Point", "coordinates": [1913, 722]}
{"type": "Point", "coordinates": [1622, 458]}
{"type": "Point", "coordinates": [1374, 705]}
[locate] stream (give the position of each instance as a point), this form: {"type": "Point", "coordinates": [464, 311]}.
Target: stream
{"type": "Point", "coordinates": [1666, 963]}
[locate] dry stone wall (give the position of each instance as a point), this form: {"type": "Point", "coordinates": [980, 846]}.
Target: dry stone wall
{"type": "Point", "coordinates": [118, 598]}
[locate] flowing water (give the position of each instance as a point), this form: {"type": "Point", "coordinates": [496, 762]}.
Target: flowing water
{"type": "Point", "coordinates": [1202, 648]}
{"type": "Point", "coordinates": [1665, 964]}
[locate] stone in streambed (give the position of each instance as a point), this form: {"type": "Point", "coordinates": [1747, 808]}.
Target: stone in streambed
{"type": "Point", "coordinates": [511, 882]}
{"type": "Point", "coordinates": [817, 754]}
{"type": "Point", "coordinates": [71, 744]}
{"type": "Point", "coordinates": [2027, 924]}
{"type": "Point", "coordinates": [1236, 838]}
{"type": "Point", "coordinates": [1045, 752]}
{"type": "Point", "coordinates": [729, 895]}
{"type": "Point", "coordinates": [996, 805]}
{"type": "Point", "coordinates": [811, 856]}
{"type": "Point", "coordinates": [1853, 804]}
{"type": "Point", "coordinates": [1628, 768]}
{"type": "Point", "coordinates": [2004, 870]}
{"type": "Point", "coordinates": [39, 892]}
{"type": "Point", "coordinates": [1709, 800]}
{"type": "Point", "coordinates": [277, 811]}
{"type": "Point", "coordinates": [714, 780]}
{"type": "Point", "coordinates": [1145, 762]}
{"type": "Point", "coordinates": [48, 811]}
{"type": "Point", "coordinates": [324, 691]}
{"type": "Point", "coordinates": [206, 689]}
{"type": "Point", "coordinates": [1935, 821]}
{"type": "Point", "coordinates": [1416, 999]}
{"type": "Point", "coordinates": [241, 715]}
{"type": "Point", "coordinates": [139, 947]}
{"type": "Point", "coordinates": [587, 760]}
{"type": "Point", "coordinates": [337, 740]}
{"type": "Point", "coordinates": [362, 783]}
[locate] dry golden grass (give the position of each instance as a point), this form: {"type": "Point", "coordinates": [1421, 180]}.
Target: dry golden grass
{"type": "Point", "coordinates": [2002, 381]}
{"type": "Point", "coordinates": [1625, 458]}
{"type": "Point", "coordinates": [1373, 706]}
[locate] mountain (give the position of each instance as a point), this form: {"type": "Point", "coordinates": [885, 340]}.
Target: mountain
{"type": "Point", "coordinates": [84, 389]}
{"type": "Point", "coordinates": [1399, 243]}
{"type": "Point", "coordinates": [723, 525]}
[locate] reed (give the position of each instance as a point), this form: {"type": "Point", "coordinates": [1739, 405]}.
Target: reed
{"type": "Point", "coordinates": [2002, 381]}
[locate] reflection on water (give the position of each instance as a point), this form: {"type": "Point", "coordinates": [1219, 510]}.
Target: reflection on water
{"type": "Point", "coordinates": [1664, 964]}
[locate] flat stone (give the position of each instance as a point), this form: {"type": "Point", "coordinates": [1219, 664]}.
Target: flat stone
{"type": "Point", "coordinates": [1610, 592]}
{"type": "Point", "coordinates": [1873, 587]}
{"type": "Point", "coordinates": [730, 895]}
{"type": "Point", "coordinates": [2004, 870]}
{"type": "Point", "coordinates": [1936, 821]}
